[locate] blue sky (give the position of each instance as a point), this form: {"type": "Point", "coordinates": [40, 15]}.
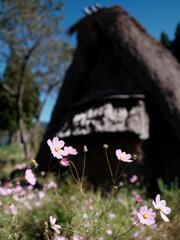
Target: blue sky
{"type": "Point", "coordinates": [155, 16]}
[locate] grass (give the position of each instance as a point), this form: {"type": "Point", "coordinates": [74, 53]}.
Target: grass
{"type": "Point", "coordinates": [10, 156]}
{"type": "Point", "coordinates": [25, 210]}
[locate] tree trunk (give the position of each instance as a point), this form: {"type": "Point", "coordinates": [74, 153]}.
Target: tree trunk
{"type": "Point", "coordinates": [19, 103]}
{"type": "Point", "coordinates": [15, 138]}
{"type": "Point", "coordinates": [35, 134]}
{"type": "Point", "coordinates": [24, 139]}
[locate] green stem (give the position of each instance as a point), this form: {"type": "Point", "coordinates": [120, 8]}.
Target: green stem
{"type": "Point", "coordinates": [84, 165]}
{"type": "Point", "coordinates": [116, 235]}
{"type": "Point", "coordinates": [71, 231]}
{"type": "Point", "coordinates": [73, 175]}
{"type": "Point", "coordinates": [110, 169]}
{"type": "Point", "coordinates": [122, 172]}
{"type": "Point", "coordinates": [37, 170]}
{"type": "Point", "coordinates": [117, 169]}
{"type": "Point", "coordinates": [58, 198]}
{"type": "Point", "coordinates": [75, 171]}
{"type": "Point", "coordinates": [59, 173]}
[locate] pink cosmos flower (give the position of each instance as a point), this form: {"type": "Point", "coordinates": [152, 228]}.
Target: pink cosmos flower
{"type": "Point", "coordinates": [21, 166]}
{"type": "Point", "coordinates": [3, 191]}
{"type": "Point", "coordinates": [123, 156]}
{"type": "Point", "coordinates": [50, 185]}
{"type": "Point", "coordinates": [133, 179]}
{"type": "Point", "coordinates": [43, 173]}
{"type": "Point", "coordinates": [70, 150]}
{"type": "Point", "coordinates": [161, 206]}
{"type": "Point", "coordinates": [77, 237]}
{"type": "Point", "coordinates": [38, 203]}
{"type": "Point", "coordinates": [27, 205]}
{"type": "Point", "coordinates": [138, 199]}
{"type": "Point", "coordinates": [59, 238]}
{"type": "Point", "coordinates": [11, 209]}
{"type": "Point", "coordinates": [64, 162]}
{"type": "Point", "coordinates": [29, 176]}
{"type": "Point", "coordinates": [109, 232]}
{"type": "Point", "coordinates": [146, 216]}
{"type": "Point", "coordinates": [41, 194]}
{"type": "Point", "coordinates": [56, 146]}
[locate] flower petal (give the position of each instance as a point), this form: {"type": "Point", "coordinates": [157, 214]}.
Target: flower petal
{"type": "Point", "coordinates": [52, 220]}
{"type": "Point", "coordinates": [57, 155]}
{"type": "Point", "coordinates": [123, 154]}
{"type": "Point", "coordinates": [118, 152]}
{"type": "Point", "coordinates": [154, 204]}
{"type": "Point", "coordinates": [50, 144]}
{"type": "Point", "coordinates": [128, 156]}
{"type": "Point", "coordinates": [61, 143]}
{"type": "Point", "coordinates": [158, 199]}
{"type": "Point", "coordinates": [62, 152]}
{"type": "Point", "coordinates": [166, 210]}
{"type": "Point", "coordinates": [128, 160]}
{"type": "Point", "coordinates": [55, 141]}
{"type": "Point", "coordinates": [140, 217]}
{"type": "Point", "coordinates": [65, 162]}
{"type": "Point", "coordinates": [163, 203]}
{"type": "Point", "coordinates": [164, 217]}
{"type": "Point", "coordinates": [70, 150]}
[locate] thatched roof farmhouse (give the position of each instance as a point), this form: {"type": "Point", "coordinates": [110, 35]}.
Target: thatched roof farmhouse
{"type": "Point", "coordinates": [123, 89]}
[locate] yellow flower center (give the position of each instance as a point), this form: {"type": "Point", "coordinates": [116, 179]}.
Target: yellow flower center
{"type": "Point", "coordinates": [122, 157]}
{"type": "Point", "coordinates": [56, 149]}
{"type": "Point", "coordinates": [146, 215]}
{"type": "Point", "coordinates": [34, 163]}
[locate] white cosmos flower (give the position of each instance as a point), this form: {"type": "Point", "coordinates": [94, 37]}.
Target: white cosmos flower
{"type": "Point", "coordinates": [56, 147]}
{"type": "Point", "coordinates": [123, 156]}
{"type": "Point", "coordinates": [52, 220]}
{"type": "Point", "coordinates": [161, 206]}
{"type": "Point", "coordinates": [54, 226]}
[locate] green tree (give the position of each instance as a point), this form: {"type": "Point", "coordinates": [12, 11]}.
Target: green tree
{"type": "Point", "coordinates": [174, 45]}
{"type": "Point", "coordinates": [165, 40]}
{"type": "Point", "coordinates": [35, 57]}
{"type": "Point", "coordinates": [30, 98]}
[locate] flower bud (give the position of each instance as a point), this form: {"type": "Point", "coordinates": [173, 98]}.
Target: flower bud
{"type": "Point", "coordinates": [34, 164]}
{"type": "Point", "coordinates": [134, 157]}
{"type": "Point", "coordinates": [138, 199]}
{"type": "Point", "coordinates": [105, 146]}
{"type": "Point", "coordinates": [85, 149]}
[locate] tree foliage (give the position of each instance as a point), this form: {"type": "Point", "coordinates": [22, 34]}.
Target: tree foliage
{"type": "Point", "coordinates": [34, 56]}
{"type": "Point", "coordinates": [30, 98]}
{"type": "Point", "coordinates": [174, 45]}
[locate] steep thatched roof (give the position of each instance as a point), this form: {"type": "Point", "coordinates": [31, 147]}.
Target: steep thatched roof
{"type": "Point", "coordinates": [114, 53]}
{"type": "Point", "coordinates": [157, 71]}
